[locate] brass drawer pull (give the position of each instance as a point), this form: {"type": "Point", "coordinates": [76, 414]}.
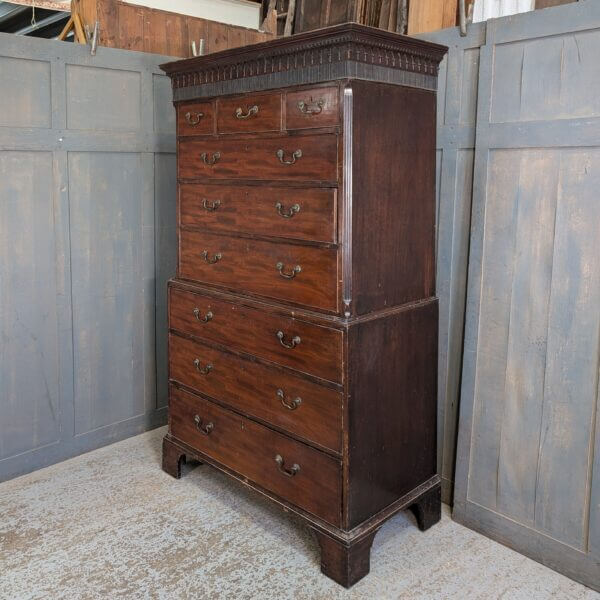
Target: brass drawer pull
{"type": "Point", "coordinates": [311, 107]}
{"type": "Point", "coordinates": [206, 429]}
{"type": "Point", "coordinates": [288, 472]}
{"type": "Point", "coordinates": [295, 155]}
{"type": "Point", "coordinates": [295, 340]}
{"type": "Point", "coordinates": [279, 266]}
{"type": "Point", "coordinates": [210, 161]}
{"type": "Point", "coordinates": [202, 370]}
{"type": "Point", "coordinates": [205, 319]}
{"type": "Point", "coordinates": [239, 113]}
{"type": "Point", "coordinates": [193, 118]}
{"type": "Point", "coordinates": [212, 206]}
{"type": "Point", "coordinates": [291, 404]}
{"type": "Point", "coordinates": [295, 208]}
{"type": "Point", "coordinates": [211, 261]}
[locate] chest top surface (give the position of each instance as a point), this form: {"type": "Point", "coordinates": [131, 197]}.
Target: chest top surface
{"type": "Point", "coordinates": [348, 51]}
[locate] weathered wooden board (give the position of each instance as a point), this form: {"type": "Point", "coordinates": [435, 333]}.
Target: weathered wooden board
{"type": "Point", "coordinates": [106, 266]}
{"type": "Point", "coordinates": [527, 459]}
{"type": "Point", "coordinates": [25, 97]}
{"type": "Point", "coordinates": [456, 115]}
{"type": "Point", "coordinates": [166, 260]}
{"type": "Point", "coordinates": [430, 15]}
{"type": "Point", "coordinates": [78, 245]}
{"type": "Point", "coordinates": [29, 275]}
{"type": "Point", "coordinates": [135, 27]}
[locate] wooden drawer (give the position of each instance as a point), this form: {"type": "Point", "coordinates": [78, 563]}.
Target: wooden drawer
{"type": "Point", "coordinates": [195, 118]}
{"type": "Point", "coordinates": [251, 449]}
{"type": "Point", "coordinates": [316, 107]}
{"type": "Point", "coordinates": [257, 112]}
{"type": "Point", "coordinates": [261, 267]}
{"type": "Point", "coordinates": [306, 157]}
{"type": "Point", "coordinates": [299, 406]}
{"type": "Point", "coordinates": [318, 350]}
{"type": "Point", "coordinates": [301, 213]}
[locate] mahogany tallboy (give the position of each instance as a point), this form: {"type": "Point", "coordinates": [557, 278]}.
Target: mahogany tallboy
{"type": "Point", "coordinates": [303, 321]}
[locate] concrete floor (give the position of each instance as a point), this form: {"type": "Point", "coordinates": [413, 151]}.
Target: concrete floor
{"type": "Point", "coordinates": [111, 524]}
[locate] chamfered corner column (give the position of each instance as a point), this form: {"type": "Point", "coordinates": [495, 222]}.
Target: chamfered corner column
{"type": "Point", "coordinates": [428, 509]}
{"type": "Point", "coordinates": [345, 563]}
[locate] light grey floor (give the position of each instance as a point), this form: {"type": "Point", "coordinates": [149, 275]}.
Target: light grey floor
{"type": "Point", "coordinates": [111, 524]}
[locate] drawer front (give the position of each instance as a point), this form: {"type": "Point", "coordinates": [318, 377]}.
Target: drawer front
{"type": "Point", "coordinates": [289, 158]}
{"type": "Point", "coordinates": [261, 112]}
{"type": "Point", "coordinates": [316, 107]}
{"type": "Point", "coordinates": [300, 274]}
{"type": "Point", "coordinates": [300, 213]}
{"type": "Point", "coordinates": [195, 118]}
{"type": "Point", "coordinates": [251, 450]}
{"type": "Point", "coordinates": [290, 402]}
{"type": "Point", "coordinates": [303, 346]}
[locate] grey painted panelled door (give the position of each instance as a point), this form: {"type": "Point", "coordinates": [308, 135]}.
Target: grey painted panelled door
{"type": "Point", "coordinates": [528, 463]}
{"type": "Point", "coordinates": [456, 118]}
{"type": "Point", "coordinates": [87, 242]}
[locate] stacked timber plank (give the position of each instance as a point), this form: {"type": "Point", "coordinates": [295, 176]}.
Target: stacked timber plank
{"type": "Point", "coordinates": [402, 16]}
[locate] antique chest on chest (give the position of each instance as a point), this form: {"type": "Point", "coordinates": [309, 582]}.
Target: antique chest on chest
{"type": "Point", "coordinates": [303, 320]}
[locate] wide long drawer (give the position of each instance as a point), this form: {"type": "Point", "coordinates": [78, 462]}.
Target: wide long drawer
{"type": "Point", "coordinates": [300, 274]}
{"type": "Point", "coordinates": [301, 213]}
{"type": "Point", "coordinates": [306, 157]}
{"type": "Point", "coordinates": [291, 342]}
{"type": "Point", "coordinates": [294, 471]}
{"type": "Point", "coordinates": [299, 406]}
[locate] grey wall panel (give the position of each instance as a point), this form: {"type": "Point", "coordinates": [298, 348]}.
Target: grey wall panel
{"type": "Point", "coordinates": [105, 191]}
{"type": "Point", "coordinates": [29, 367]}
{"type": "Point", "coordinates": [527, 457]}
{"type": "Point", "coordinates": [25, 98]}
{"type": "Point", "coordinates": [164, 111]}
{"type": "Point", "coordinates": [457, 99]}
{"type": "Point", "coordinates": [103, 99]}
{"type": "Point", "coordinates": [166, 261]}
{"type": "Point", "coordinates": [78, 239]}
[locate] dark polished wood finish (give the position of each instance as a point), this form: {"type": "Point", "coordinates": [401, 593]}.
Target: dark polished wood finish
{"type": "Point", "coordinates": [294, 213]}
{"type": "Point", "coordinates": [428, 509]}
{"type": "Point", "coordinates": [303, 158]}
{"type": "Point", "coordinates": [259, 112]}
{"type": "Point", "coordinates": [251, 450]}
{"type": "Point", "coordinates": [318, 353]}
{"type": "Point", "coordinates": [346, 563]}
{"type": "Point", "coordinates": [316, 107]}
{"type": "Point", "coordinates": [393, 219]}
{"type": "Point", "coordinates": [196, 118]}
{"type": "Point", "coordinates": [252, 265]}
{"type": "Point", "coordinates": [303, 322]}
{"type": "Point", "coordinates": [286, 400]}
{"type": "Point", "coordinates": [392, 377]}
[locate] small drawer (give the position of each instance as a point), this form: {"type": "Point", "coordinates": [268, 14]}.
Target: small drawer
{"type": "Point", "coordinates": [261, 112]}
{"type": "Point", "coordinates": [287, 158]}
{"type": "Point", "coordinates": [317, 107]}
{"type": "Point", "coordinates": [301, 475]}
{"type": "Point", "coordinates": [304, 275]}
{"type": "Point", "coordinates": [195, 118]}
{"type": "Point", "coordinates": [287, 341]}
{"type": "Point", "coordinates": [290, 402]}
{"type": "Point", "coordinates": [300, 213]}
